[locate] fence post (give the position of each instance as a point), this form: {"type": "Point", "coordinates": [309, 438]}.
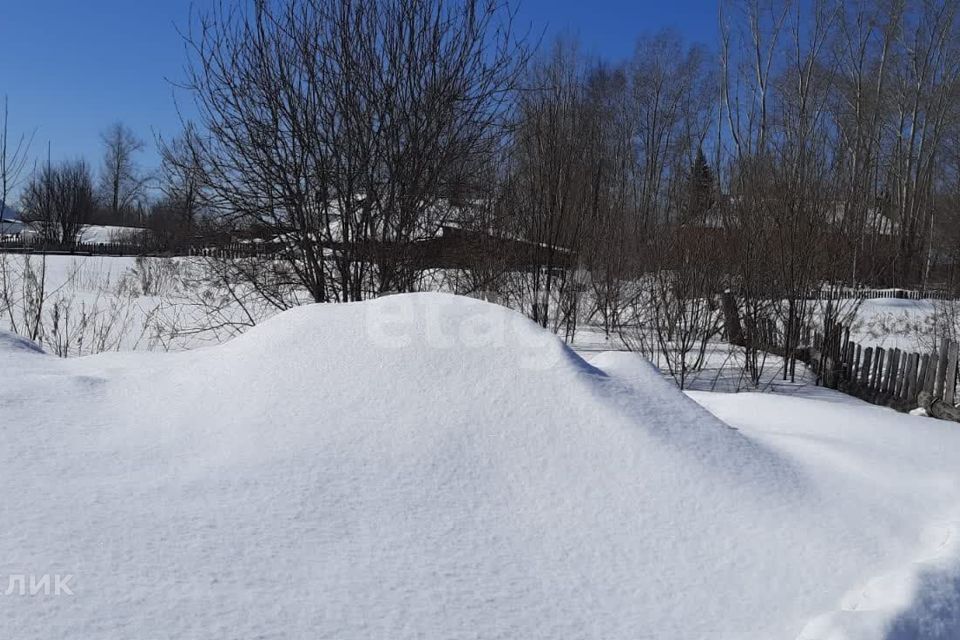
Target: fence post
{"type": "Point", "coordinates": [910, 386]}
{"type": "Point", "coordinates": [950, 385]}
{"type": "Point", "coordinates": [941, 369]}
{"type": "Point", "coordinates": [836, 349]}
{"type": "Point", "coordinates": [845, 368]}
{"type": "Point", "coordinates": [855, 369]}
{"type": "Point", "coordinates": [924, 372]}
{"type": "Point", "coordinates": [865, 370]}
{"type": "Point", "coordinates": [854, 363]}
{"type": "Point", "coordinates": [903, 379]}
{"type": "Point", "coordinates": [825, 338]}
{"type": "Point", "coordinates": [845, 358]}
{"type": "Point", "coordinates": [930, 381]}
{"type": "Point", "coordinates": [890, 380]}
{"type": "Point", "coordinates": [878, 371]}
{"type": "Point", "coordinates": [836, 345]}
{"type": "Point", "coordinates": [900, 366]}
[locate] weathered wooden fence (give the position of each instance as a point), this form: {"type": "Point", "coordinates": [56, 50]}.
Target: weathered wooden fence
{"type": "Point", "coordinates": [111, 249]}
{"type": "Point", "coordinates": [849, 293]}
{"type": "Point", "coordinates": [225, 250]}
{"type": "Point", "coordinates": [889, 377]}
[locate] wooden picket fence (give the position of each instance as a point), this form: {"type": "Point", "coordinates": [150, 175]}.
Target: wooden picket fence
{"type": "Point", "coordinates": [228, 250]}
{"type": "Point", "coordinates": [889, 377]}
{"type": "Point", "coordinates": [15, 245]}
{"type": "Point", "coordinates": [862, 293]}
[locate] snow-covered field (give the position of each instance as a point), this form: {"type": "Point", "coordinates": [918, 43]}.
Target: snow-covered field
{"type": "Point", "coordinates": [89, 233]}
{"type": "Point", "coordinates": [104, 234]}
{"type": "Point", "coordinates": [427, 466]}
{"type": "Point", "coordinates": [148, 295]}
{"type": "Point", "coordinates": [89, 304]}
{"type": "Point", "coordinates": [95, 304]}
{"type": "Point", "coordinates": [890, 323]}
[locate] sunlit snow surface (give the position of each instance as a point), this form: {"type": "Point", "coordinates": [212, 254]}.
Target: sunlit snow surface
{"type": "Point", "coordinates": [428, 466]}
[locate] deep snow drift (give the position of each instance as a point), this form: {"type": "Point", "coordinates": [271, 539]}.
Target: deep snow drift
{"type": "Point", "coordinates": [428, 466]}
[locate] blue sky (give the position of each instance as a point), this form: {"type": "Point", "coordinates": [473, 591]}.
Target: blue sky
{"type": "Point", "coordinates": [70, 68]}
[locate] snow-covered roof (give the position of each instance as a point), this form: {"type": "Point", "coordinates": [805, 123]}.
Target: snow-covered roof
{"type": "Point", "coordinates": [10, 223]}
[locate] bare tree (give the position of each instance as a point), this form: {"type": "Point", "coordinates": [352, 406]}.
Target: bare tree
{"type": "Point", "coordinates": [672, 90]}
{"type": "Point", "coordinates": [58, 201]}
{"type": "Point", "coordinates": [681, 315]}
{"type": "Point", "coordinates": [122, 184]}
{"type": "Point", "coordinates": [181, 174]}
{"type": "Point", "coordinates": [13, 158]}
{"type": "Point", "coordinates": [863, 50]}
{"type": "Point", "coordinates": [548, 187]}
{"type": "Point", "coordinates": [337, 129]}
{"type": "Point", "coordinates": [925, 81]}
{"type": "Point", "coordinates": [802, 185]}
{"type": "Point", "coordinates": [752, 37]}
{"type": "Point", "coordinates": [23, 293]}
{"type": "Point", "coordinates": [611, 250]}
{"type": "Point", "coordinates": [174, 218]}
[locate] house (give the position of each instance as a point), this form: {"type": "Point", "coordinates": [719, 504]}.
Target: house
{"type": "Point", "coordinates": [458, 248]}
{"type": "Point", "coordinates": [10, 223]}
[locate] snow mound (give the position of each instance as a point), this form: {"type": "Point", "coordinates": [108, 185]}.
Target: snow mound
{"type": "Point", "coordinates": [11, 342]}
{"type": "Point", "coordinates": [420, 466]}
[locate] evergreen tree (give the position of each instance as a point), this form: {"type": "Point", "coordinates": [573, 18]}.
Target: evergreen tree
{"type": "Point", "coordinates": [702, 190]}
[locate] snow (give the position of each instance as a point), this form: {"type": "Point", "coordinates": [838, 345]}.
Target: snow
{"type": "Point", "coordinates": [92, 303]}
{"type": "Point", "coordinates": [430, 466]}
{"type": "Point", "coordinates": [106, 234]}
{"type": "Point", "coordinates": [89, 233]}
{"type": "Point", "coordinates": [896, 324]}
{"type": "Point", "coordinates": [894, 476]}
{"type": "Point", "coordinates": [100, 303]}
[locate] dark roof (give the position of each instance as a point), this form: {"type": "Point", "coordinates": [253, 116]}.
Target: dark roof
{"type": "Point", "coordinates": [9, 214]}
